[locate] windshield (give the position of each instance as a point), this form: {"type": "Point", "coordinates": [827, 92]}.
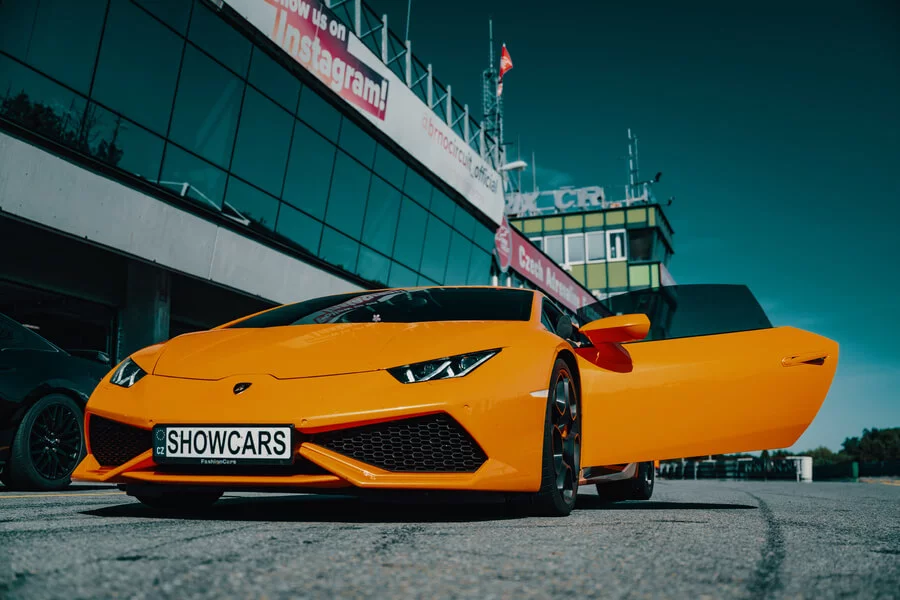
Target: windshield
{"type": "Point", "coordinates": [18, 337]}
{"type": "Point", "coordinates": [689, 310]}
{"type": "Point", "coordinates": [402, 306]}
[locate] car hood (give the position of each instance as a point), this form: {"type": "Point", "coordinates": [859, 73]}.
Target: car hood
{"type": "Point", "coordinates": [331, 349]}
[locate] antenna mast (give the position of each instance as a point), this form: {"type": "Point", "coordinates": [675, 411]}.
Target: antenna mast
{"type": "Point", "coordinates": [632, 164]}
{"type": "Point", "coordinates": [492, 104]}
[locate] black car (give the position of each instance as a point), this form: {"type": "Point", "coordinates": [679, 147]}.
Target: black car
{"type": "Point", "coordinates": [43, 390]}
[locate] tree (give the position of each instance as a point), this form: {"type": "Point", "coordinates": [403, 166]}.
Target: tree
{"type": "Point", "coordinates": [824, 456]}
{"type": "Point", "coordinates": [880, 444]}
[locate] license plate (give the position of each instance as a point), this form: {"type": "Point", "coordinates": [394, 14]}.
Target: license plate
{"type": "Point", "coordinates": [223, 445]}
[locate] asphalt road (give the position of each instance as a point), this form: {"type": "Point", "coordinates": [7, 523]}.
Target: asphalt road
{"type": "Point", "coordinates": [694, 539]}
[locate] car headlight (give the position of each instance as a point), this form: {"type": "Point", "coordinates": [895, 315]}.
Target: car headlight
{"type": "Point", "coordinates": [442, 368]}
{"type": "Point", "coordinates": [127, 374]}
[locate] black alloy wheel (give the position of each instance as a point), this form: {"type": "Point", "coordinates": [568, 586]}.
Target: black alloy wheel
{"type": "Point", "coordinates": [639, 487]}
{"type": "Point", "coordinates": [643, 484]}
{"type": "Point", "coordinates": [562, 445]}
{"type": "Point", "coordinates": [48, 445]}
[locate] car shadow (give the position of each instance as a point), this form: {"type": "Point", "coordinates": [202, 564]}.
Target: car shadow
{"type": "Point", "coordinates": [74, 489]}
{"type": "Point", "coordinates": [299, 508]}
{"type": "Point", "coordinates": [597, 503]}
{"type": "Point", "coordinates": [310, 508]}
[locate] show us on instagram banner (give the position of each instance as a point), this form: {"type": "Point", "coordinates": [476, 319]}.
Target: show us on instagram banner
{"type": "Point", "coordinates": [317, 40]}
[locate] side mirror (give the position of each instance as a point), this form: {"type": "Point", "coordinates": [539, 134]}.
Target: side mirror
{"type": "Point", "coordinates": [617, 330]}
{"type": "Point", "coordinates": [92, 355]}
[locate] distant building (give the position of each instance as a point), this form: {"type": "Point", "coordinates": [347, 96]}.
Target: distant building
{"type": "Point", "coordinates": [609, 247]}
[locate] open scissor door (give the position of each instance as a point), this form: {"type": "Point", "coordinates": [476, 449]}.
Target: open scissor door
{"type": "Point", "coordinates": [747, 387]}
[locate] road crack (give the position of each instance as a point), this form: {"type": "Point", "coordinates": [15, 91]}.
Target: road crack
{"type": "Point", "coordinates": [766, 579]}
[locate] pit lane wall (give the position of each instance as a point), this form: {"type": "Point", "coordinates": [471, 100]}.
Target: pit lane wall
{"type": "Point", "coordinates": [311, 34]}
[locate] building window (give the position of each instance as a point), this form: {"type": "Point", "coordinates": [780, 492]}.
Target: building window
{"type": "Point", "coordinates": [206, 108]}
{"type": "Point", "coordinates": [174, 14]}
{"type": "Point", "coordinates": [380, 226]}
{"type": "Point", "coordinates": [418, 188]}
{"type": "Point", "coordinates": [596, 246]}
{"type": "Point", "coordinates": [434, 254]}
{"type": "Point", "coordinates": [373, 266]}
{"type": "Point", "coordinates": [553, 246]}
{"type": "Point", "coordinates": [616, 244]}
{"type": "Point", "coordinates": [338, 249]}
{"type": "Point", "coordinates": [219, 39]}
{"type": "Point", "coordinates": [299, 228]}
{"type": "Point", "coordinates": [458, 260]}
{"type": "Point", "coordinates": [575, 248]}
{"type": "Point", "coordinates": [410, 235]}
{"type": "Point", "coordinates": [319, 114]}
{"type": "Point", "coordinates": [273, 80]}
{"type": "Point", "coordinates": [357, 142]}
{"type": "Point", "coordinates": [401, 276]}
{"type": "Point", "coordinates": [263, 140]}
{"type": "Point", "coordinates": [389, 166]}
{"type": "Point", "coordinates": [191, 177]}
{"type": "Point", "coordinates": [64, 40]}
{"type": "Point", "coordinates": [443, 207]}
{"type": "Point", "coordinates": [251, 203]}
{"type": "Point", "coordinates": [640, 244]}
{"type": "Point", "coordinates": [347, 199]}
{"type": "Point", "coordinates": [309, 170]}
{"type": "Point", "coordinates": [479, 267]}
{"type": "Point", "coordinates": [462, 220]}
{"type": "Point", "coordinates": [138, 67]}
{"type": "Point", "coordinates": [539, 242]}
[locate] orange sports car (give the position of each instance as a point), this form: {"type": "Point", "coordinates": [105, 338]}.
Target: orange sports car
{"type": "Point", "coordinates": [450, 388]}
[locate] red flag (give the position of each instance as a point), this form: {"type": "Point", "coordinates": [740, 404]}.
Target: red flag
{"type": "Point", "coordinates": [505, 65]}
{"type": "Point", "coordinates": [505, 61]}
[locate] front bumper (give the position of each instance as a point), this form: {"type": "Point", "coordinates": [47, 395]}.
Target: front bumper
{"type": "Point", "coordinates": [506, 423]}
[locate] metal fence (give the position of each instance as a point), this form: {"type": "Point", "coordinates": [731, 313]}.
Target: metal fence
{"type": "Point", "coordinates": [731, 469]}
{"type": "Point", "coordinates": [397, 54]}
{"type": "Point", "coordinates": [774, 469]}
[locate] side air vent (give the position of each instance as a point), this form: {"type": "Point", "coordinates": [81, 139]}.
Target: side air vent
{"type": "Point", "coordinates": [431, 443]}
{"type": "Point", "coordinates": [114, 443]}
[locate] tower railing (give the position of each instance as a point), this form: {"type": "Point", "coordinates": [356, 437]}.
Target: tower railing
{"type": "Point", "coordinates": [396, 53]}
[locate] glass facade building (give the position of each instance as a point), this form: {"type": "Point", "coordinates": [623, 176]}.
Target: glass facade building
{"type": "Point", "coordinates": [172, 95]}
{"type": "Point", "coordinates": [609, 251]}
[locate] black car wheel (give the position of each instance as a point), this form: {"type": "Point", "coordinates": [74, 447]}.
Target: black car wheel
{"type": "Point", "coordinates": [643, 484]}
{"type": "Point", "coordinates": [639, 487]}
{"type": "Point", "coordinates": [561, 465]}
{"type": "Point", "coordinates": [179, 502]}
{"type": "Point", "coordinates": [48, 445]}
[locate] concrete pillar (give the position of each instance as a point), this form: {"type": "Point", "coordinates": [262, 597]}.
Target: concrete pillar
{"type": "Point", "coordinates": [144, 320]}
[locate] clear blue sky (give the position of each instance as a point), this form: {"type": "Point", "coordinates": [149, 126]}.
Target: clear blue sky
{"type": "Point", "coordinates": [776, 128]}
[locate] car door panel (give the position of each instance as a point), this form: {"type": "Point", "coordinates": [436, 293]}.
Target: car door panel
{"type": "Point", "coordinates": [694, 396]}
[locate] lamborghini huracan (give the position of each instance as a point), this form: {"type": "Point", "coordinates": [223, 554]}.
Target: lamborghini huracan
{"type": "Point", "coordinates": [449, 388]}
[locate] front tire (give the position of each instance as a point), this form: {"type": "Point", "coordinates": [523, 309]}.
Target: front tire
{"type": "Point", "coordinates": [48, 445]}
{"type": "Point", "coordinates": [561, 464]}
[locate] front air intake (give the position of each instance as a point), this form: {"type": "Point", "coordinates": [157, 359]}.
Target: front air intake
{"type": "Point", "coordinates": [114, 443]}
{"type": "Point", "coordinates": [431, 443]}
